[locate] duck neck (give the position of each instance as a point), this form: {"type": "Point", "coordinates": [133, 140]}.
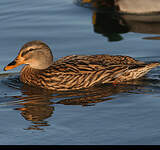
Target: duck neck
{"type": "Point", "coordinates": [28, 74]}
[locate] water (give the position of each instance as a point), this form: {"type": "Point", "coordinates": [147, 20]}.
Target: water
{"type": "Point", "coordinates": [106, 114]}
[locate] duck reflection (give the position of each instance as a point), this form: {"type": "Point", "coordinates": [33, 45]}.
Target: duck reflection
{"type": "Point", "coordinates": [112, 24]}
{"type": "Point", "coordinates": [36, 105]}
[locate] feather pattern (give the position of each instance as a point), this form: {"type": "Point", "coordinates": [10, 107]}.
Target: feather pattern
{"type": "Point", "coordinates": [78, 71]}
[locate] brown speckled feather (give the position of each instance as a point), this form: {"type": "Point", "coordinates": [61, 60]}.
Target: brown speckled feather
{"type": "Point", "coordinates": [76, 71]}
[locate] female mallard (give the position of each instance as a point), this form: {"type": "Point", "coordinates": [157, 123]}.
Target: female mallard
{"type": "Point", "coordinates": [76, 71]}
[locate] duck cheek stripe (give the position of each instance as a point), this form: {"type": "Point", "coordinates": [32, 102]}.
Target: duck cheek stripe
{"type": "Point", "coordinates": [31, 49]}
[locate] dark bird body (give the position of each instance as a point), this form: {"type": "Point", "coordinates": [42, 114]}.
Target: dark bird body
{"type": "Point", "coordinates": [76, 71]}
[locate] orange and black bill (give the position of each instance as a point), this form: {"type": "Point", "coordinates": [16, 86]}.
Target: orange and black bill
{"type": "Point", "coordinates": [10, 66]}
{"type": "Point", "coordinates": [16, 62]}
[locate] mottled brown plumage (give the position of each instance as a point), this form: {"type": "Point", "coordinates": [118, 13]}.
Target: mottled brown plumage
{"type": "Point", "coordinates": [76, 71]}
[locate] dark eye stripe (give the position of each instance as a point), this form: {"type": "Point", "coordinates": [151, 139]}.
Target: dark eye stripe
{"type": "Point", "coordinates": [24, 53]}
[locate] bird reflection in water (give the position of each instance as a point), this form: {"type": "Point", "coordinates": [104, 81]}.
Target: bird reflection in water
{"type": "Point", "coordinates": [36, 105]}
{"type": "Point", "coordinates": [111, 23]}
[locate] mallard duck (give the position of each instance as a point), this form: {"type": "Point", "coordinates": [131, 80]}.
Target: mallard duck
{"type": "Point", "coordinates": [75, 71]}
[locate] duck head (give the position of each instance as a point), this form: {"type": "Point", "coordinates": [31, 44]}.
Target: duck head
{"type": "Point", "coordinates": [35, 53]}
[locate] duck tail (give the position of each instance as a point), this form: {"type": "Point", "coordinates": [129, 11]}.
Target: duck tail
{"type": "Point", "coordinates": [153, 65]}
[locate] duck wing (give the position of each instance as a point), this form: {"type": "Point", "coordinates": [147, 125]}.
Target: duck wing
{"type": "Point", "coordinates": [87, 64]}
{"type": "Point", "coordinates": [101, 59]}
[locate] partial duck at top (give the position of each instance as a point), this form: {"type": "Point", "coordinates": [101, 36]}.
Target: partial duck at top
{"type": "Point", "coordinates": [139, 7]}
{"type": "Point", "coordinates": [76, 71]}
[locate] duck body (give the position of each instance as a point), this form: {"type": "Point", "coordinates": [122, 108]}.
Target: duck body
{"type": "Point", "coordinates": [77, 71]}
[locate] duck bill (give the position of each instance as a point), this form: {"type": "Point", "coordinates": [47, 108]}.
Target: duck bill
{"type": "Point", "coordinates": [13, 64]}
